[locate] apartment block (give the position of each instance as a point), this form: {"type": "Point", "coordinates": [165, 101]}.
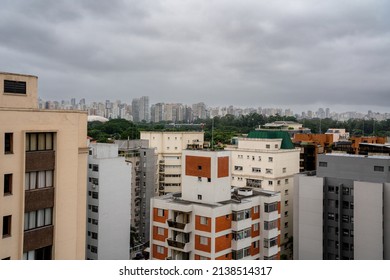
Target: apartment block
{"type": "Point", "coordinates": [43, 159]}
{"type": "Point", "coordinates": [143, 184]}
{"type": "Point", "coordinates": [168, 147]}
{"type": "Point", "coordinates": [211, 221]}
{"type": "Point", "coordinates": [342, 211]}
{"type": "Point", "coordinates": [108, 211]}
{"type": "Point", "coordinates": [268, 160]}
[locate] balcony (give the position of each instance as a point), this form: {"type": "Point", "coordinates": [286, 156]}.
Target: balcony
{"type": "Point", "coordinates": [176, 225]}
{"type": "Point", "coordinates": [176, 244]}
{"type": "Point", "coordinates": [180, 241]}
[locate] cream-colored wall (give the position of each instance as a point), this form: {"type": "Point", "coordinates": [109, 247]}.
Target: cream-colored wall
{"type": "Point", "coordinates": [28, 100]}
{"type": "Point", "coordinates": [70, 178]}
{"type": "Point", "coordinates": [281, 158]}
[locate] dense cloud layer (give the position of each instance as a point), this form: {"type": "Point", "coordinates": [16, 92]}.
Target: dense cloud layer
{"type": "Point", "coordinates": [245, 53]}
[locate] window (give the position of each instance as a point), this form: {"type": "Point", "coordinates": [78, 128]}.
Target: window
{"type": "Point", "coordinates": [247, 157]}
{"type": "Point", "coordinates": [238, 168]}
{"type": "Point", "coordinates": [203, 220]}
{"type": "Point", "coordinates": [241, 215]}
{"type": "Point", "coordinates": [95, 167]}
{"type": "Point", "coordinates": [270, 183]}
{"type": "Point", "coordinates": [270, 159]}
{"type": "Point", "coordinates": [95, 195]}
{"type": "Point", "coordinates": [8, 143]}
{"type": "Point", "coordinates": [7, 226]}
{"type": "Point", "coordinates": [270, 207]}
{"type": "Point", "coordinates": [284, 169]}
{"type": "Point", "coordinates": [95, 181]}
{"type": "Point", "coordinates": [256, 209]}
{"type": "Point", "coordinates": [256, 169]}
{"type": "Point", "coordinates": [38, 180]}
{"type": "Point", "coordinates": [204, 240]}
{"type": "Point", "coordinates": [95, 208]}
{"type": "Point", "coordinates": [286, 236]}
{"type": "Point", "coordinates": [199, 197]}
{"type": "Point", "coordinates": [160, 212]}
{"type": "Point", "coordinates": [199, 167]}
{"type": "Point", "coordinates": [323, 164]}
{"type": "Point", "coordinates": [286, 213]}
{"type": "Point", "coordinates": [7, 184]}
{"type": "Point", "coordinates": [268, 225]}
{"type": "Point", "coordinates": [278, 183]}
{"type": "Point", "coordinates": [94, 249]}
{"type": "Point", "coordinates": [253, 157]}
{"type": "Point", "coordinates": [38, 218]}
{"type": "Point", "coordinates": [330, 216]}
{"type": "Point", "coordinates": [209, 180]}
{"type": "Point", "coordinates": [199, 179]}
{"type": "Point", "coordinates": [268, 171]}
{"type": "Point", "coordinates": [276, 146]}
{"type": "Point", "coordinates": [259, 159]}
{"type": "Point", "coordinates": [256, 227]}
{"type": "Point", "coordinates": [267, 146]}
{"type": "Point", "coordinates": [379, 168]}
{"type": "Point", "coordinates": [242, 234]}
{"type": "Point", "coordinates": [330, 188]}
{"type": "Point", "coordinates": [39, 254]}
{"type": "Point", "coordinates": [286, 192]}
{"type": "Point", "coordinates": [160, 231]}
{"type": "Point", "coordinates": [345, 191]}
{"type": "Point", "coordinates": [269, 243]}
{"type": "Point", "coordinates": [17, 87]}
{"type": "Point", "coordinates": [39, 141]}
{"type": "Point", "coordinates": [285, 181]}
{"type": "Point", "coordinates": [286, 203]}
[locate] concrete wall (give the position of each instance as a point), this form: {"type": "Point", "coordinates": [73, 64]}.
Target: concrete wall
{"type": "Point", "coordinates": [308, 196]}
{"type": "Point", "coordinates": [368, 221]}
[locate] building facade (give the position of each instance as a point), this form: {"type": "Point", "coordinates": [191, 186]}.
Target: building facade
{"type": "Point", "coordinates": [209, 220]}
{"type": "Point", "coordinates": [168, 147]}
{"type": "Point", "coordinates": [43, 159]}
{"type": "Point", "coordinates": [268, 160]}
{"type": "Point", "coordinates": [342, 211]}
{"type": "Point", "coordinates": [143, 184]}
{"type": "Point", "coordinates": [108, 211]}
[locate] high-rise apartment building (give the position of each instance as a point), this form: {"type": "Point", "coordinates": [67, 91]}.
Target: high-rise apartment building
{"type": "Point", "coordinates": [268, 160]}
{"type": "Point", "coordinates": [109, 196]}
{"type": "Point", "coordinates": [342, 211]}
{"type": "Point", "coordinates": [140, 109]}
{"type": "Point", "coordinates": [143, 183]}
{"type": "Point", "coordinates": [168, 147]}
{"type": "Point", "coordinates": [209, 220]}
{"type": "Point", "coordinates": [43, 159]}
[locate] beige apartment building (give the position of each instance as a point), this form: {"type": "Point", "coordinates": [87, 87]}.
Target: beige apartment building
{"type": "Point", "coordinates": [267, 160]}
{"type": "Point", "coordinates": [43, 167]}
{"type": "Point", "coordinates": [169, 147]}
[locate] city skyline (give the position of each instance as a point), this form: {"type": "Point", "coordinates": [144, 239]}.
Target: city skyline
{"type": "Point", "coordinates": [274, 54]}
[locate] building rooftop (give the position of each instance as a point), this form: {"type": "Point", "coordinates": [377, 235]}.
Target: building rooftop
{"type": "Point", "coordinates": [238, 196]}
{"type": "Point", "coordinates": [273, 134]}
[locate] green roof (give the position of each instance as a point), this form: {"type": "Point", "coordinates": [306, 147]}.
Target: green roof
{"type": "Point", "coordinates": [273, 134]}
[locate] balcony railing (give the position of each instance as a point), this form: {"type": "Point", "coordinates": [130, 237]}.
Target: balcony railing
{"type": "Point", "coordinates": [176, 244]}
{"type": "Point", "coordinates": [177, 225]}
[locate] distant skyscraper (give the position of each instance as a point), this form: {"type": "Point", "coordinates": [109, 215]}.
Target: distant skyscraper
{"type": "Point", "coordinates": [141, 109]}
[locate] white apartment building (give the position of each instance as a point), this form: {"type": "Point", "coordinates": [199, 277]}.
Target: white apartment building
{"type": "Point", "coordinates": [108, 211]}
{"type": "Point", "coordinates": [270, 163]}
{"type": "Point", "coordinates": [169, 147]}
{"type": "Point", "coordinates": [209, 220]}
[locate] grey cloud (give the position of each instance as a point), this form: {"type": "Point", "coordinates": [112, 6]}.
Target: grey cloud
{"type": "Point", "coordinates": [248, 53]}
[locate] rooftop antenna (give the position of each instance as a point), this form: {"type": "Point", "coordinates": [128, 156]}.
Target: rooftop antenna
{"type": "Point", "coordinates": [212, 134]}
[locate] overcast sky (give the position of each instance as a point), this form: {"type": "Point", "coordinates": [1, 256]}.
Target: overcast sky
{"type": "Point", "coordinates": [302, 54]}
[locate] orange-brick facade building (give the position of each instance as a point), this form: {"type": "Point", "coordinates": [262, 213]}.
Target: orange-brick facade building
{"type": "Point", "coordinates": [209, 220]}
